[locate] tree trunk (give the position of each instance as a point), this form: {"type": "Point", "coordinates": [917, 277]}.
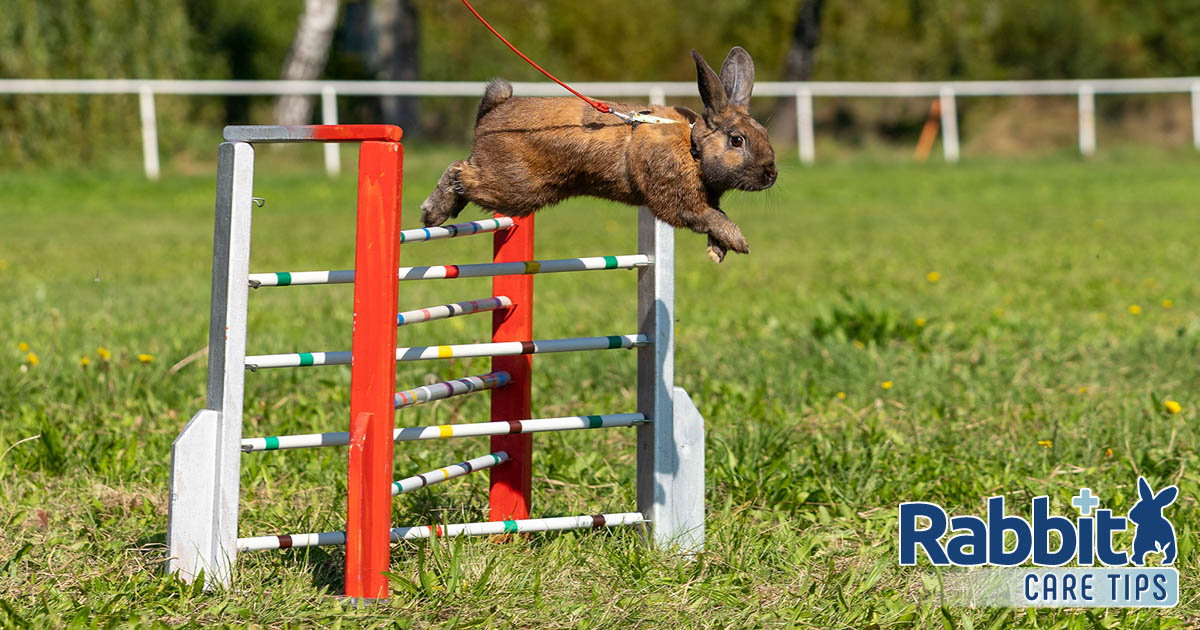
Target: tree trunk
{"type": "Point", "coordinates": [306, 60]}
{"type": "Point", "coordinates": [798, 66]}
{"type": "Point", "coordinates": [396, 58]}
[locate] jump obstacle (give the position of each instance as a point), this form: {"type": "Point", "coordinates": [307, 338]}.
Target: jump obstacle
{"type": "Point", "coordinates": [202, 525]}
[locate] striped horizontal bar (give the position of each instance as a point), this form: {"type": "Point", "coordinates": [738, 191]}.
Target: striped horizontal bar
{"type": "Point", "coordinates": [435, 272]}
{"type": "Point", "coordinates": [312, 133]}
{"type": "Point", "coordinates": [457, 387]}
{"type": "Point", "coordinates": [441, 431]}
{"type": "Point", "coordinates": [524, 526]}
{"type": "Point", "coordinates": [419, 235]}
{"type": "Point", "coordinates": [421, 353]}
{"type": "Point", "coordinates": [417, 482]}
{"type": "Point", "coordinates": [452, 310]}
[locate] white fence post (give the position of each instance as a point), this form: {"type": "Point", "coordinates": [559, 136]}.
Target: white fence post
{"type": "Point", "coordinates": [949, 124]}
{"type": "Point", "coordinates": [1196, 115]}
{"type": "Point", "coordinates": [329, 116]}
{"type": "Point", "coordinates": [1087, 121]}
{"type": "Point", "coordinates": [804, 125]}
{"type": "Point", "coordinates": [658, 96]}
{"type": "Point", "coordinates": [149, 132]}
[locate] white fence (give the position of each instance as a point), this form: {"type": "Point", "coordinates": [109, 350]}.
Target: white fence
{"type": "Point", "coordinates": [804, 92]}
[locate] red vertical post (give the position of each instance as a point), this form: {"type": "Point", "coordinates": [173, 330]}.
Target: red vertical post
{"type": "Point", "coordinates": [373, 370]}
{"type": "Point", "coordinates": [511, 483]}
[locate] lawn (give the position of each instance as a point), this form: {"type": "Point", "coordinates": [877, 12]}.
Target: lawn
{"type": "Point", "coordinates": [900, 332]}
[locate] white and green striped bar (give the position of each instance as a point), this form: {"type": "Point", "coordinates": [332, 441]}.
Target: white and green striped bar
{"type": "Point", "coordinates": [446, 311]}
{"type": "Point", "coordinates": [448, 389]}
{"type": "Point", "coordinates": [422, 353]}
{"type": "Point", "coordinates": [435, 272]}
{"type": "Point", "coordinates": [422, 480]}
{"type": "Point", "coordinates": [443, 431]}
{"type": "Point", "coordinates": [419, 235]}
{"type": "Point", "coordinates": [524, 526]}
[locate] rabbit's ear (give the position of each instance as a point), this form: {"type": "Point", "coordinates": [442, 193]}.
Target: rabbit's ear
{"type": "Point", "coordinates": [1144, 491]}
{"type": "Point", "coordinates": [737, 74]}
{"type": "Point", "coordinates": [1166, 497]}
{"type": "Point", "coordinates": [712, 92]}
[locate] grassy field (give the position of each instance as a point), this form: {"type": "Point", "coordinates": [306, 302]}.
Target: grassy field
{"type": "Point", "coordinates": [900, 332]}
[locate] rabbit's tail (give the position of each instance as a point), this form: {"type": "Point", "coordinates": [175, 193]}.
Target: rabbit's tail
{"type": "Point", "coordinates": [498, 91]}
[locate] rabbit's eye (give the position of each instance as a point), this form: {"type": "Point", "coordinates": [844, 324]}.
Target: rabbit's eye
{"type": "Point", "coordinates": [736, 140]}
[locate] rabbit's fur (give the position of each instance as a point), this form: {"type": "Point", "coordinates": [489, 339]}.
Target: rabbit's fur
{"type": "Point", "coordinates": [530, 153]}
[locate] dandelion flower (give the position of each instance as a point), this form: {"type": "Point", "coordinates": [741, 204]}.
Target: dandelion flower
{"type": "Point", "coordinates": [104, 353]}
{"type": "Point", "coordinates": [1108, 452]}
{"type": "Point", "coordinates": [1173, 407]}
{"type": "Point", "coordinates": [933, 277]}
{"type": "Point", "coordinates": [920, 322]}
{"type": "Point", "coordinates": [1082, 390]}
{"type": "Point", "coordinates": [23, 347]}
{"type": "Point", "coordinates": [84, 361]}
{"type": "Point", "coordinates": [886, 384]}
{"type": "Point", "coordinates": [1167, 303]}
{"type": "Point", "coordinates": [1045, 443]}
{"type": "Point", "coordinates": [1134, 309]}
{"type": "Point", "coordinates": [145, 358]}
{"type": "Point", "coordinates": [32, 359]}
{"type": "Point", "coordinates": [841, 395]}
{"type": "Point", "coordinates": [860, 345]}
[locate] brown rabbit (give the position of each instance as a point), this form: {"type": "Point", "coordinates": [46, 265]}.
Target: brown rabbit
{"type": "Point", "coordinates": [530, 153]}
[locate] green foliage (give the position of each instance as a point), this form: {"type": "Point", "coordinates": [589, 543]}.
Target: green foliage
{"type": "Point", "coordinates": [1028, 338]}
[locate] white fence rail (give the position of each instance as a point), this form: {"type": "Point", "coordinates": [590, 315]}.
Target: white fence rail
{"type": "Point", "coordinates": [804, 92]}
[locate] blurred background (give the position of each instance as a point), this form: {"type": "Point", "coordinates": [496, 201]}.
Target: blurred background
{"type": "Point", "coordinates": [599, 40]}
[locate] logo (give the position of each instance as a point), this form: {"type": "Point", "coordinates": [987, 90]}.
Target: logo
{"type": "Point", "coordinates": [1001, 542]}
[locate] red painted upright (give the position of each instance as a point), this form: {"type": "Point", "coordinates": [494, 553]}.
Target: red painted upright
{"type": "Point", "coordinates": [510, 485]}
{"type": "Point", "coordinates": [373, 372]}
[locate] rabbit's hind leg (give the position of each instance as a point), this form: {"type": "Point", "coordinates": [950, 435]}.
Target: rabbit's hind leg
{"type": "Point", "coordinates": [447, 200]}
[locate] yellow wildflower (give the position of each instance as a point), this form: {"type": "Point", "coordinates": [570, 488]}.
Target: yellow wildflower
{"type": "Point", "coordinates": [32, 359]}
{"type": "Point", "coordinates": [84, 361]}
{"type": "Point", "coordinates": [145, 358]}
{"type": "Point", "coordinates": [1045, 443]}
{"type": "Point", "coordinates": [1134, 309]}
{"type": "Point", "coordinates": [104, 353]}
{"type": "Point", "coordinates": [860, 345]}
{"type": "Point", "coordinates": [920, 322]}
{"type": "Point", "coordinates": [1173, 407]}
{"type": "Point", "coordinates": [886, 384]}
{"type": "Point", "coordinates": [1108, 452]}
{"type": "Point", "coordinates": [933, 277]}
{"type": "Point", "coordinates": [1168, 303]}
{"type": "Point", "coordinates": [841, 395]}
{"type": "Point", "coordinates": [1082, 390]}
{"type": "Point", "coordinates": [23, 347]}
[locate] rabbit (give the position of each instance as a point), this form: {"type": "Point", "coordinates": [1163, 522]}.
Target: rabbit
{"type": "Point", "coordinates": [529, 153]}
{"type": "Point", "coordinates": [1154, 532]}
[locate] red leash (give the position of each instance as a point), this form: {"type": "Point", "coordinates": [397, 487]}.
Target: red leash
{"type": "Point", "coordinates": [600, 107]}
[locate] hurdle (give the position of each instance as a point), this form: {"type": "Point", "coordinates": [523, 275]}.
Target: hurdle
{"type": "Point", "coordinates": [203, 537]}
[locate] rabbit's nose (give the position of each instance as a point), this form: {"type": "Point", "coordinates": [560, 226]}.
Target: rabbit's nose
{"type": "Point", "coordinates": [770, 173]}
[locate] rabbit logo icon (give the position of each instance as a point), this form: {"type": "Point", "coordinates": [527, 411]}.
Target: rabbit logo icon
{"type": "Point", "coordinates": [1154, 533]}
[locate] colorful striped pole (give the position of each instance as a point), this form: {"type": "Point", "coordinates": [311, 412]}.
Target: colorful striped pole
{"type": "Point", "coordinates": [448, 389]}
{"type": "Point", "coordinates": [459, 229]}
{"type": "Point", "coordinates": [443, 431]}
{"type": "Point", "coordinates": [416, 482]}
{"type": "Point", "coordinates": [523, 267]}
{"type": "Point", "coordinates": [373, 375]}
{"type": "Point", "coordinates": [452, 310]}
{"type": "Point", "coordinates": [423, 353]}
{"type": "Point", "coordinates": [491, 528]}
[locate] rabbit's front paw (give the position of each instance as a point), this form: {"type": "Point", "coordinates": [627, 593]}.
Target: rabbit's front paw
{"type": "Point", "coordinates": [716, 252]}
{"type": "Point", "coordinates": [730, 238]}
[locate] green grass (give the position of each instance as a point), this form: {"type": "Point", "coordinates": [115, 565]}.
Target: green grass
{"type": "Point", "coordinates": [1027, 336]}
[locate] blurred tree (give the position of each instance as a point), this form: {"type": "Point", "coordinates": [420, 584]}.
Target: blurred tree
{"type": "Point", "coordinates": [306, 60]}
{"type": "Point", "coordinates": [397, 57]}
{"type": "Point", "coordinates": [798, 65]}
